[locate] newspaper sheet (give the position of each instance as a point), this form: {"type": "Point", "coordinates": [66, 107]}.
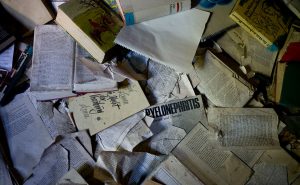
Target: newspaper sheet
{"type": "Point", "coordinates": [128, 167]}
{"type": "Point", "coordinates": [209, 165]}
{"type": "Point", "coordinates": [265, 173]}
{"type": "Point", "coordinates": [244, 128]}
{"type": "Point", "coordinates": [56, 122]}
{"type": "Point", "coordinates": [6, 58]}
{"type": "Point", "coordinates": [283, 158]}
{"type": "Point", "coordinates": [99, 111]}
{"type": "Point", "coordinates": [24, 129]}
{"type": "Point", "coordinates": [4, 174]}
{"type": "Point", "coordinates": [72, 177]}
{"type": "Point", "coordinates": [53, 165]}
{"type": "Point", "coordinates": [161, 82]}
{"type": "Point", "coordinates": [217, 82]}
{"type": "Point", "coordinates": [247, 51]}
{"type": "Point", "coordinates": [173, 172]}
{"type": "Point", "coordinates": [52, 63]}
{"type": "Point", "coordinates": [110, 139]}
{"type": "Point", "coordinates": [170, 40]}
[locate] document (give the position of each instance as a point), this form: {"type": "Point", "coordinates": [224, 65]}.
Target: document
{"type": "Point", "coordinates": [111, 138]}
{"type": "Point", "coordinates": [128, 167]}
{"type": "Point", "coordinates": [72, 177]}
{"type": "Point", "coordinates": [57, 123]}
{"type": "Point", "coordinates": [6, 58]}
{"type": "Point", "coordinates": [161, 82]}
{"type": "Point", "coordinates": [4, 174]}
{"type": "Point", "coordinates": [209, 165]}
{"type": "Point", "coordinates": [247, 51]}
{"type": "Point", "coordinates": [217, 82]}
{"type": "Point", "coordinates": [244, 128]}
{"type": "Point", "coordinates": [99, 111]}
{"type": "Point", "coordinates": [173, 172]}
{"type": "Point", "coordinates": [170, 40]}
{"type": "Point", "coordinates": [265, 173]}
{"type": "Point", "coordinates": [24, 129]}
{"type": "Point", "coordinates": [250, 157]}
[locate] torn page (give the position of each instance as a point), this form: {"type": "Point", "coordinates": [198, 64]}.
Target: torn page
{"type": "Point", "coordinates": [244, 128]}
{"type": "Point", "coordinates": [24, 129]}
{"type": "Point", "coordinates": [173, 172]}
{"type": "Point", "coordinates": [110, 139]}
{"type": "Point", "coordinates": [72, 177]}
{"type": "Point", "coordinates": [183, 88]}
{"type": "Point", "coordinates": [4, 174]}
{"type": "Point", "coordinates": [136, 135]}
{"type": "Point", "coordinates": [217, 82]}
{"type": "Point", "coordinates": [6, 58]}
{"type": "Point", "coordinates": [209, 165]}
{"type": "Point", "coordinates": [53, 165]}
{"type": "Point", "coordinates": [250, 157]}
{"type": "Point", "coordinates": [265, 173]}
{"type": "Point", "coordinates": [56, 122]}
{"type": "Point", "coordinates": [96, 112]}
{"type": "Point", "coordinates": [128, 167]}
{"type": "Point", "coordinates": [161, 82]}
{"type": "Point", "coordinates": [247, 51]}
{"type": "Point", "coordinates": [170, 40]}
{"type": "Point", "coordinates": [52, 63]}
{"type": "Point", "coordinates": [89, 75]}
{"type": "Point", "coordinates": [281, 157]}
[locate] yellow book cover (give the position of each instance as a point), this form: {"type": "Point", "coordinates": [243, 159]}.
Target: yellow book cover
{"type": "Point", "coordinates": [266, 20]}
{"type": "Point", "coordinates": [92, 23]}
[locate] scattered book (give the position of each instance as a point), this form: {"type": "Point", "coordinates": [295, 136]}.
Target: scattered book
{"type": "Point", "coordinates": [266, 20]}
{"type": "Point", "coordinates": [59, 66]}
{"type": "Point", "coordinates": [92, 24]}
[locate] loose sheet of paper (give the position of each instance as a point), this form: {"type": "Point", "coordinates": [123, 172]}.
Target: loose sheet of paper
{"type": "Point", "coordinates": [244, 128]}
{"type": "Point", "coordinates": [72, 177]}
{"type": "Point", "coordinates": [171, 40]}
{"type": "Point", "coordinates": [4, 174]}
{"type": "Point", "coordinates": [250, 157]}
{"type": "Point", "coordinates": [24, 129]}
{"type": "Point", "coordinates": [209, 165]}
{"type": "Point", "coordinates": [102, 110]}
{"type": "Point", "coordinates": [247, 51]}
{"type": "Point", "coordinates": [218, 84]}
{"type": "Point", "coordinates": [173, 172]}
{"type": "Point", "coordinates": [6, 58]}
{"type": "Point", "coordinates": [52, 63]}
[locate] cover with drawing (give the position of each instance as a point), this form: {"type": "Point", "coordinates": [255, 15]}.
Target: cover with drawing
{"type": "Point", "coordinates": [94, 22]}
{"type": "Point", "coordinates": [266, 20]}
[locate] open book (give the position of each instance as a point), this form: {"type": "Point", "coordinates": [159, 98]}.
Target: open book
{"type": "Point", "coordinates": [60, 66]}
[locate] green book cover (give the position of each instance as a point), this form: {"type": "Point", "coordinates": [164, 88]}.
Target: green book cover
{"type": "Point", "coordinates": [95, 19]}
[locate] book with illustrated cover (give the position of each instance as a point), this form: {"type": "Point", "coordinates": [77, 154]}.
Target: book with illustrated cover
{"type": "Point", "coordinates": [92, 23]}
{"type": "Point", "coordinates": [266, 20]}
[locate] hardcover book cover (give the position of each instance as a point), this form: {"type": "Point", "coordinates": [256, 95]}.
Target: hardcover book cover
{"type": "Point", "coordinates": [91, 23]}
{"type": "Point", "coordinates": [266, 20]}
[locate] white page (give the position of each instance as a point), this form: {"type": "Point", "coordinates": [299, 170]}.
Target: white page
{"type": "Point", "coordinates": [111, 138]}
{"type": "Point", "coordinates": [24, 129]}
{"type": "Point", "coordinates": [53, 165]}
{"type": "Point", "coordinates": [247, 51]}
{"type": "Point", "coordinates": [244, 128]}
{"type": "Point", "coordinates": [99, 111]}
{"type": "Point", "coordinates": [265, 173]}
{"type": "Point", "coordinates": [218, 84]}
{"type": "Point", "coordinates": [209, 165]}
{"type": "Point", "coordinates": [6, 58]}
{"type": "Point", "coordinates": [170, 40]}
{"type": "Point", "coordinates": [72, 177]}
{"type": "Point", "coordinates": [5, 178]}
{"type": "Point", "coordinates": [173, 172]}
{"type": "Point", "coordinates": [128, 167]}
{"type": "Point", "coordinates": [52, 62]}
{"type": "Point", "coordinates": [161, 82]}
{"type": "Point", "coordinates": [56, 122]}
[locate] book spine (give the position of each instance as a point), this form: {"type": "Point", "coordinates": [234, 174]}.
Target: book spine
{"type": "Point", "coordinates": [250, 29]}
